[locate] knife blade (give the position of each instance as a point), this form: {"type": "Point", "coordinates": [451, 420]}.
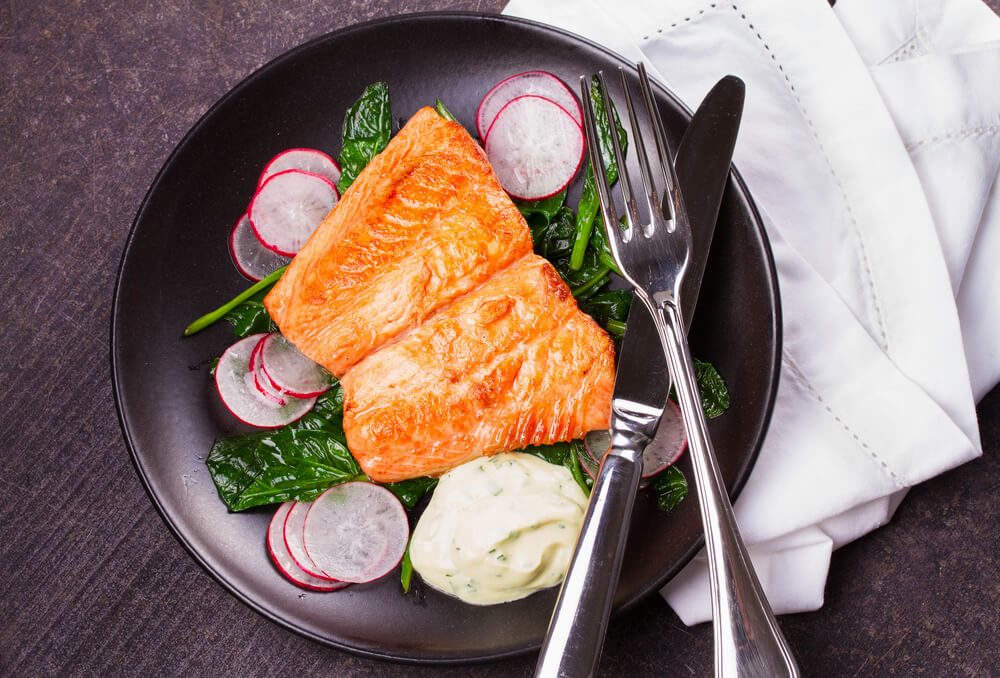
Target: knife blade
{"type": "Point", "coordinates": [703, 162]}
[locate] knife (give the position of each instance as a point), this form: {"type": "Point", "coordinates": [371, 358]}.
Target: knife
{"type": "Point", "coordinates": [579, 622]}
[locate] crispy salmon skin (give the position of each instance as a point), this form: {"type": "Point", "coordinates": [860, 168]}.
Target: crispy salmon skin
{"type": "Point", "coordinates": [425, 222]}
{"type": "Point", "coordinates": [513, 363]}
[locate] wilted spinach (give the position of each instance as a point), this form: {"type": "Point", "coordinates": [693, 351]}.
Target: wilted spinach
{"type": "Point", "coordinates": [670, 488]}
{"type": "Point", "coordinates": [542, 212]}
{"type": "Point", "coordinates": [250, 317]}
{"type": "Point", "coordinates": [413, 490]}
{"type": "Point", "coordinates": [297, 461]}
{"type": "Point", "coordinates": [713, 390]}
{"type": "Point", "coordinates": [565, 455]}
{"type": "Point", "coordinates": [553, 237]}
{"type": "Point", "coordinates": [367, 128]}
{"type": "Point", "coordinates": [270, 467]}
{"type": "Point", "coordinates": [608, 305]}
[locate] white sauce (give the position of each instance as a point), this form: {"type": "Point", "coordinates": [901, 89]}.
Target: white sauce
{"type": "Point", "coordinates": [499, 528]}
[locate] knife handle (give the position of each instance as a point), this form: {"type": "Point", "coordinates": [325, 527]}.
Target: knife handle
{"type": "Point", "coordinates": [576, 632]}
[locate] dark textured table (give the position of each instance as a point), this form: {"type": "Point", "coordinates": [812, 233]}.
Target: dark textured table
{"type": "Point", "coordinates": [94, 96]}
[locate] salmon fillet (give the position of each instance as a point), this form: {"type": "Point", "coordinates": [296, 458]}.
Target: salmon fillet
{"type": "Point", "coordinates": [513, 363]}
{"type": "Point", "coordinates": [425, 222]}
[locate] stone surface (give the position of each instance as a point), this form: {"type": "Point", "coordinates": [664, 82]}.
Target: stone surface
{"type": "Point", "coordinates": [94, 96]}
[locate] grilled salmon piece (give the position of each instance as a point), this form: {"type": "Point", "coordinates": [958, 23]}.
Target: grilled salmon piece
{"type": "Point", "coordinates": [425, 222]}
{"type": "Point", "coordinates": [513, 363]}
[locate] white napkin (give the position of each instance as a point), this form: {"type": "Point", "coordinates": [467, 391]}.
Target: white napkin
{"type": "Point", "coordinates": [870, 142]}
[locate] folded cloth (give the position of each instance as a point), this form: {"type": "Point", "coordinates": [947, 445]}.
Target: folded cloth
{"type": "Point", "coordinates": [870, 142]}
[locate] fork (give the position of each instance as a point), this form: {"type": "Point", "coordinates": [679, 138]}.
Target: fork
{"type": "Point", "coordinates": [652, 255]}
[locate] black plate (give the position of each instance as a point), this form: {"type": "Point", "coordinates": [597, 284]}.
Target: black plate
{"type": "Point", "coordinates": [176, 266]}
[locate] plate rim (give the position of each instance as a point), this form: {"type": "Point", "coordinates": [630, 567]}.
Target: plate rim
{"type": "Point", "coordinates": [742, 473]}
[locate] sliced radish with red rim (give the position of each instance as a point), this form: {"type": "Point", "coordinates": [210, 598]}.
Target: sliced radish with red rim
{"type": "Point", "coordinates": [250, 257]}
{"type": "Point", "coordinates": [288, 207]}
{"type": "Point", "coordinates": [283, 559]}
{"type": "Point", "coordinates": [289, 371]}
{"type": "Point", "coordinates": [305, 159]}
{"type": "Point", "coordinates": [263, 387]}
{"type": "Point", "coordinates": [539, 83]}
{"type": "Point", "coordinates": [597, 443]}
{"type": "Point", "coordinates": [587, 462]}
{"type": "Point", "coordinates": [356, 532]}
{"type": "Point", "coordinates": [293, 534]}
{"type": "Point", "coordinates": [535, 147]}
{"type": "Point", "coordinates": [235, 383]}
{"type": "Point", "coordinates": [669, 444]}
{"type": "Point", "coordinates": [664, 451]}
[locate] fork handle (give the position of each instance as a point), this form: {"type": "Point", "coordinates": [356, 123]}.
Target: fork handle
{"type": "Point", "coordinates": [748, 640]}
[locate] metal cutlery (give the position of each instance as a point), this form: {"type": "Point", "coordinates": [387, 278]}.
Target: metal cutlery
{"type": "Point", "coordinates": [654, 253]}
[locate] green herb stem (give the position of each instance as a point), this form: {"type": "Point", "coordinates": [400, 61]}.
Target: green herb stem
{"type": "Point", "coordinates": [406, 569]}
{"type": "Point", "coordinates": [615, 327]}
{"type": "Point", "coordinates": [443, 111]}
{"type": "Point", "coordinates": [598, 279]}
{"type": "Point", "coordinates": [215, 316]}
{"type": "Point", "coordinates": [607, 260]}
{"type": "Point", "coordinates": [586, 212]}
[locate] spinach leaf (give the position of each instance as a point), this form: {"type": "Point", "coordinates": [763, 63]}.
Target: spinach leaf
{"type": "Point", "coordinates": [406, 569]}
{"type": "Point", "coordinates": [573, 463]}
{"type": "Point", "coordinates": [553, 238]}
{"type": "Point", "coordinates": [670, 488]}
{"type": "Point", "coordinates": [275, 466]}
{"type": "Point", "coordinates": [542, 212]}
{"type": "Point", "coordinates": [587, 208]}
{"type": "Point", "coordinates": [713, 390]}
{"type": "Point", "coordinates": [250, 317]}
{"type": "Point", "coordinates": [554, 453]}
{"type": "Point", "coordinates": [563, 454]}
{"type": "Point", "coordinates": [608, 305]}
{"type": "Point", "coordinates": [413, 490]}
{"type": "Point", "coordinates": [367, 128]}
{"type": "Point", "coordinates": [326, 415]}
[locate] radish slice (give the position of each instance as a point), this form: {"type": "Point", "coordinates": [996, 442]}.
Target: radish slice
{"type": "Point", "coordinates": [234, 381]}
{"type": "Point", "coordinates": [305, 159]}
{"type": "Point", "coordinates": [540, 83]}
{"type": "Point", "coordinates": [283, 559]}
{"type": "Point", "coordinates": [597, 443]}
{"type": "Point", "coordinates": [670, 442]}
{"type": "Point", "coordinates": [262, 385]}
{"type": "Point", "coordinates": [289, 371]}
{"type": "Point", "coordinates": [251, 258]}
{"type": "Point", "coordinates": [356, 532]}
{"type": "Point", "coordinates": [588, 463]}
{"type": "Point", "coordinates": [666, 448]}
{"type": "Point", "coordinates": [288, 207]}
{"type": "Point", "coordinates": [535, 147]}
{"type": "Point", "coordinates": [294, 522]}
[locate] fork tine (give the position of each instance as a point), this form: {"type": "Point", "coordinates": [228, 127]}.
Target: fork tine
{"type": "Point", "coordinates": [631, 210]}
{"type": "Point", "coordinates": [662, 147]}
{"type": "Point", "coordinates": [616, 238]}
{"type": "Point", "coordinates": [645, 171]}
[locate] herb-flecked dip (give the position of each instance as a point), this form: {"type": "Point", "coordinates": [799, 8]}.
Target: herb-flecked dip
{"type": "Point", "coordinates": [499, 528]}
